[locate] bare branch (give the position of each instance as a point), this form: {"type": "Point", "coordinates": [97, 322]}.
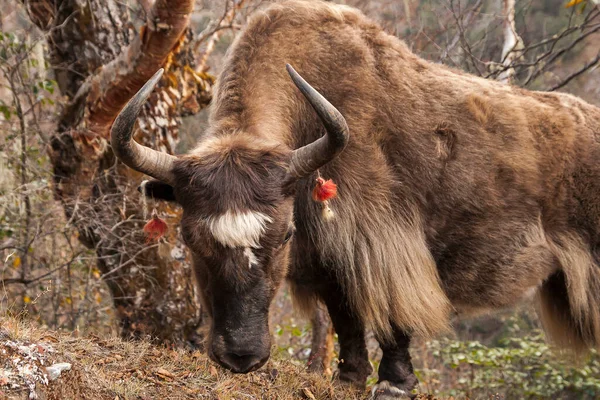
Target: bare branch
{"type": "Point", "coordinates": [214, 32]}
{"type": "Point", "coordinates": [25, 281]}
{"type": "Point", "coordinates": [575, 74]}
{"type": "Point", "coordinates": [456, 38]}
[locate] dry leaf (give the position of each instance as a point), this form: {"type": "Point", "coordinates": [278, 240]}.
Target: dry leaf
{"type": "Point", "coordinates": [164, 373]}
{"type": "Point", "coordinates": [49, 338]}
{"type": "Point", "coordinates": [573, 3]}
{"type": "Point", "coordinates": [308, 394]}
{"type": "Point", "coordinates": [184, 374]}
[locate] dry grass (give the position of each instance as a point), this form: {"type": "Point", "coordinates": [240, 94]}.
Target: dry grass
{"type": "Point", "coordinates": [110, 368]}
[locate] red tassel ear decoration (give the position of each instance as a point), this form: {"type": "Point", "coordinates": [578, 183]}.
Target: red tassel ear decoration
{"type": "Point", "coordinates": [324, 191]}
{"type": "Point", "coordinates": [155, 228]}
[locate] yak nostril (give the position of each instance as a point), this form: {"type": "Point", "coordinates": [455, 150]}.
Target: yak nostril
{"type": "Point", "coordinates": [240, 363]}
{"type": "Point", "coordinates": [239, 356]}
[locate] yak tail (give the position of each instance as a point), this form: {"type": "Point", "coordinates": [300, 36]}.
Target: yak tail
{"type": "Point", "coordinates": [569, 300]}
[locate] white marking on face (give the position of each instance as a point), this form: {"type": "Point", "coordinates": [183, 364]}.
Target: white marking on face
{"type": "Point", "coordinates": [252, 260]}
{"type": "Point", "coordinates": [239, 229]}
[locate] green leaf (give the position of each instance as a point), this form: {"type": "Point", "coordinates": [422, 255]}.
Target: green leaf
{"type": "Point", "coordinates": [49, 86]}
{"type": "Point", "coordinates": [5, 111]}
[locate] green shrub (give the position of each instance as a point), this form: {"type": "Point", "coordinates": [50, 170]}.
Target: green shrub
{"type": "Point", "coordinates": [518, 368]}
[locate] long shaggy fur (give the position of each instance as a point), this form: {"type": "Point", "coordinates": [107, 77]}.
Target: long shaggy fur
{"type": "Point", "coordinates": [384, 265]}
{"type": "Point", "coordinates": [569, 301]}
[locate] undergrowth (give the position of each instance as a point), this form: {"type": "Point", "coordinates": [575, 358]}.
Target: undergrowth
{"type": "Point", "coordinates": [521, 365]}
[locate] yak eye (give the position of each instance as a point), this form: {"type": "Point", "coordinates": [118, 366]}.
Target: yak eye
{"type": "Point", "coordinates": [288, 236]}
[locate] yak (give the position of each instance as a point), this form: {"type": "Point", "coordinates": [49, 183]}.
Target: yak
{"type": "Point", "coordinates": [456, 195]}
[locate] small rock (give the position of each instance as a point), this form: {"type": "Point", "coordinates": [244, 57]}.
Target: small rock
{"type": "Point", "coordinates": [178, 253]}
{"type": "Point", "coordinates": [54, 370]}
{"type": "Point", "coordinates": [273, 374]}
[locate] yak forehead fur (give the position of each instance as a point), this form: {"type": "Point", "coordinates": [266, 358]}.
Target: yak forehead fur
{"type": "Point", "coordinates": [239, 228]}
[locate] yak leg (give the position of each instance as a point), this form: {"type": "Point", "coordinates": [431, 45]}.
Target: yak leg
{"type": "Point", "coordinates": [354, 366]}
{"type": "Point", "coordinates": [321, 352]}
{"type": "Point", "coordinates": [396, 376]}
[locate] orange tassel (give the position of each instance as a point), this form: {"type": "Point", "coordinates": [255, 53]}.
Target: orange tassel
{"type": "Point", "coordinates": [155, 228]}
{"type": "Point", "coordinates": [324, 190]}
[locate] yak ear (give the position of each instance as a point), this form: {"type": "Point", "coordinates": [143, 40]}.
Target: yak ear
{"type": "Point", "coordinates": [157, 190]}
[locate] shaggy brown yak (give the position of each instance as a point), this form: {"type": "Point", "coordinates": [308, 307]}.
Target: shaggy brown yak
{"type": "Point", "coordinates": [455, 194]}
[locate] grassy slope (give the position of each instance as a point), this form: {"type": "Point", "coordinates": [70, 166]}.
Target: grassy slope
{"type": "Point", "coordinates": [116, 369]}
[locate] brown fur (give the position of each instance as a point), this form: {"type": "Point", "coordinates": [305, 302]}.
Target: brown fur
{"type": "Point", "coordinates": [456, 194]}
{"type": "Point", "coordinates": [568, 301]}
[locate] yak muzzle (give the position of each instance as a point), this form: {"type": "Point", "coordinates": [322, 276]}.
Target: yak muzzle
{"type": "Point", "coordinates": [241, 362]}
{"type": "Point", "coordinates": [240, 356]}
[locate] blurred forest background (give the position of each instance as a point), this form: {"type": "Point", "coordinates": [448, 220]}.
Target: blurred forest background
{"type": "Point", "coordinates": [73, 255]}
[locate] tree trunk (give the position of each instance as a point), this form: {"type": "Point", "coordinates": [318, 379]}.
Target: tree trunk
{"type": "Point", "coordinates": [513, 44]}
{"type": "Point", "coordinates": [100, 61]}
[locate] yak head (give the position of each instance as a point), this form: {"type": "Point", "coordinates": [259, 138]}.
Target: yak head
{"type": "Point", "coordinates": [237, 194]}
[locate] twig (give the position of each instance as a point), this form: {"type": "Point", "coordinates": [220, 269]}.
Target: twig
{"type": "Point", "coordinates": [214, 34]}
{"type": "Point", "coordinates": [27, 282]}
{"type": "Point", "coordinates": [456, 38]}
{"type": "Point", "coordinates": [576, 73]}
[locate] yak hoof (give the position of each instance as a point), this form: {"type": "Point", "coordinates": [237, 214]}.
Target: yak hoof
{"type": "Point", "coordinates": [385, 390]}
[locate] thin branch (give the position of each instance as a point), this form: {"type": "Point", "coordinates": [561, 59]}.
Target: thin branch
{"type": "Point", "coordinates": [27, 282]}
{"type": "Point", "coordinates": [559, 53]}
{"type": "Point", "coordinates": [213, 35]}
{"type": "Point", "coordinates": [456, 38]}
{"type": "Point", "coordinates": [575, 74]}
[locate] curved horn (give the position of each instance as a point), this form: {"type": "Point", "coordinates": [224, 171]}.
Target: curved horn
{"type": "Point", "coordinates": [309, 158]}
{"type": "Point", "coordinates": [143, 159]}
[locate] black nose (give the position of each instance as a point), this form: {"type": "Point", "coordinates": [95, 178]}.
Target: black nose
{"type": "Point", "coordinates": [241, 363]}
